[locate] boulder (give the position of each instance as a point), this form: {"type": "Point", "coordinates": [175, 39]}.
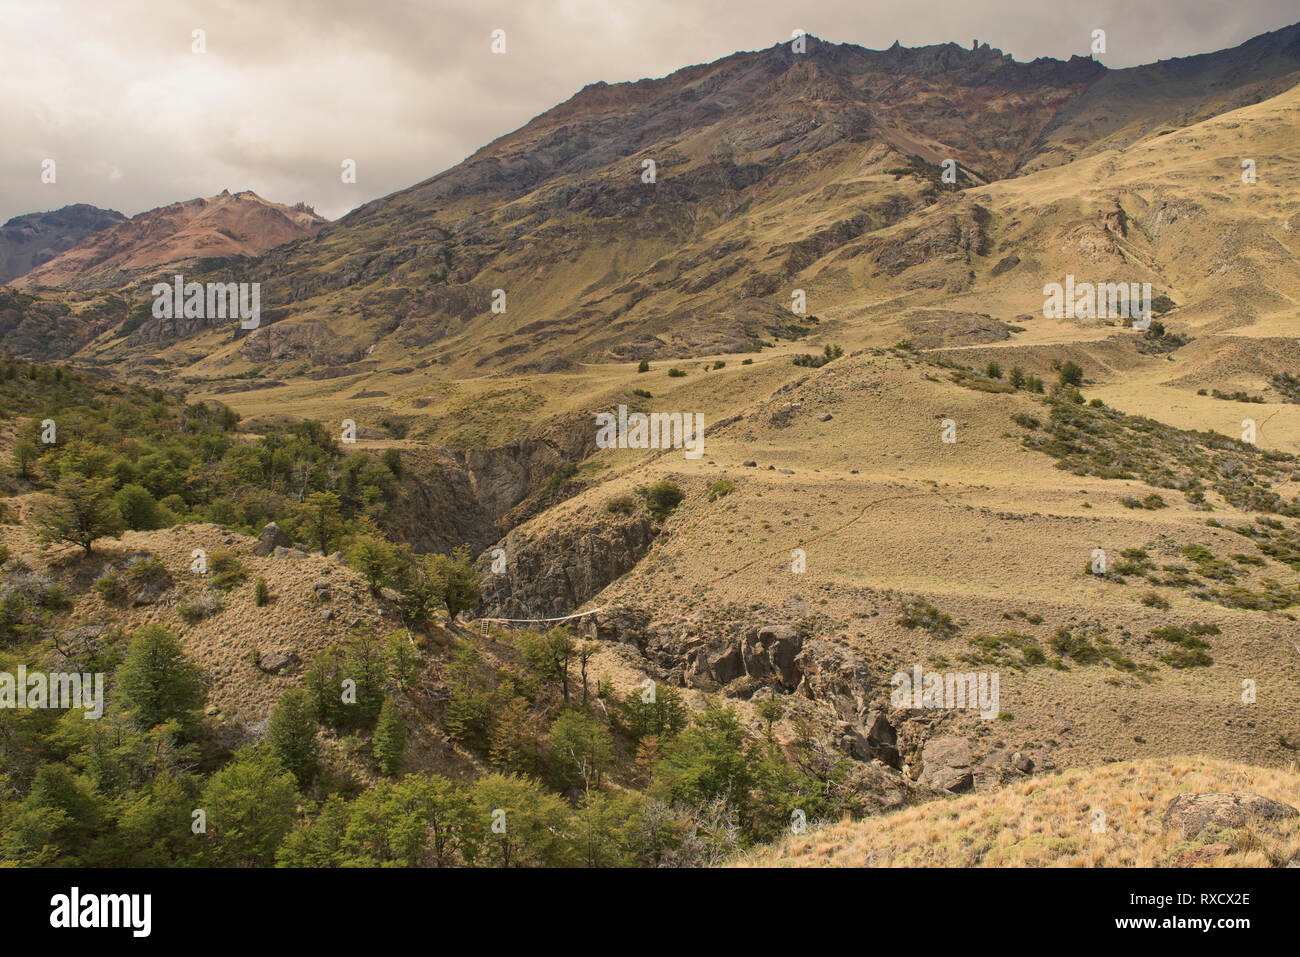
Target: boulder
{"type": "Point", "coordinates": [276, 661]}
{"type": "Point", "coordinates": [270, 538]}
{"type": "Point", "coordinates": [946, 764]}
{"type": "Point", "coordinates": [1192, 814]}
{"type": "Point", "coordinates": [282, 552]}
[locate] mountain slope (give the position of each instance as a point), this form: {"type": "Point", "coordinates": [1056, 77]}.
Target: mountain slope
{"type": "Point", "coordinates": [34, 239]}
{"type": "Point", "coordinates": [771, 169]}
{"type": "Point", "coordinates": [147, 245]}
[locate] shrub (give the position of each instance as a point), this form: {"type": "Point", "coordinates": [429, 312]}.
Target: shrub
{"type": "Point", "coordinates": [621, 505]}
{"type": "Point", "coordinates": [261, 593]}
{"type": "Point", "coordinates": [392, 459]}
{"type": "Point", "coordinates": [662, 498]}
{"type": "Point", "coordinates": [721, 488]}
{"type": "Point", "coordinates": [675, 373]}
{"type": "Point", "coordinates": [643, 366]}
{"type": "Point", "coordinates": [561, 475]}
{"type": "Point", "coordinates": [111, 588]}
{"type": "Point", "coordinates": [915, 613]}
{"type": "Point", "coordinates": [223, 565]}
{"type": "Point", "coordinates": [205, 606]}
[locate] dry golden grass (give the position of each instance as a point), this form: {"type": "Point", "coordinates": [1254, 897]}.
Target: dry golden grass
{"type": "Point", "coordinates": [1048, 822]}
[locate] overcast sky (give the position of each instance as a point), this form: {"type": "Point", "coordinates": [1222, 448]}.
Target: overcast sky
{"type": "Point", "coordinates": [287, 89]}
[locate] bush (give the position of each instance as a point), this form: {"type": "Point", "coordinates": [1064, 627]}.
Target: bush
{"type": "Point", "coordinates": [721, 488]}
{"type": "Point", "coordinates": [662, 498]}
{"type": "Point", "coordinates": [675, 373]}
{"type": "Point", "coordinates": [223, 565]}
{"type": "Point", "coordinates": [561, 475]}
{"type": "Point", "coordinates": [643, 366]}
{"type": "Point", "coordinates": [915, 613]}
{"type": "Point", "coordinates": [392, 459]}
{"type": "Point", "coordinates": [1071, 374]}
{"type": "Point", "coordinates": [621, 505]}
{"type": "Point", "coordinates": [205, 606]}
{"type": "Point", "coordinates": [261, 593]}
{"type": "Point", "coordinates": [111, 588]}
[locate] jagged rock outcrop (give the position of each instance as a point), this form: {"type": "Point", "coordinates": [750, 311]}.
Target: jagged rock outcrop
{"type": "Point", "coordinates": [552, 575]}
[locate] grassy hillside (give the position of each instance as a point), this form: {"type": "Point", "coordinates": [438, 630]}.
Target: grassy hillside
{"type": "Point", "coordinates": [1049, 822]}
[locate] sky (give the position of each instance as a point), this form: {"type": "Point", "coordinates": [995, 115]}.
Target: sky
{"type": "Point", "coordinates": [286, 90]}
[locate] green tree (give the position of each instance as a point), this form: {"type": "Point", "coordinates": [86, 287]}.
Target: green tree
{"type": "Point", "coordinates": [392, 459]}
{"type": "Point", "coordinates": [418, 820]}
{"type": "Point", "coordinates": [583, 749]}
{"type": "Point", "coordinates": [317, 843]}
{"type": "Point", "coordinates": [137, 507]}
{"type": "Point", "coordinates": [707, 761]}
{"type": "Point", "coordinates": [156, 682]}
{"type": "Point", "coordinates": [60, 823]}
{"type": "Point", "coordinates": [389, 743]}
{"type": "Point", "coordinates": [1071, 374]}
{"type": "Point", "coordinates": [250, 806]}
{"type": "Point", "coordinates": [659, 714]}
{"type": "Point", "coordinates": [154, 824]}
{"type": "Point", "coordinates": [770, 710]}
{"type": "Point", "coordinates": [456, 579]}
{"type": "Point", "coordinates": [81, 511]}
{"type": "Point", "coordinates": [607, 829]}
{"type": "Point", "coordinates": [524, 826]}
{"type": "Point", "coordinates": [377, 560]}
{"type": "Point", "coordinates": [291, 734]}
{"type": "Point", "coordinates": [549, 655]}
{"type": "Point", "coordinates": [25, 455]}
{"type": "Point", "coordinates": [319, 520]}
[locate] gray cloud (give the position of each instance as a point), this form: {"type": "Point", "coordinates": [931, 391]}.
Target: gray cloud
{"type": "Point", "coordinates": [289, 88]}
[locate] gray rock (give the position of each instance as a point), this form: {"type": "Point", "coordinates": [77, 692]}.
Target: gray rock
{"type": "Point", "coordinates": [271, 538]}
{"type": "Point", "coordinates": [749, 464]}
{"type": "Point", "coordinates": [946, 764]}
{"type": "Point", "coordinates": [1192, 814]}
{"type": "Point", "coordinates": [282, 552]}
{"type": "Point", "coordinates": [276, 661]}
